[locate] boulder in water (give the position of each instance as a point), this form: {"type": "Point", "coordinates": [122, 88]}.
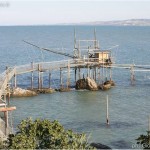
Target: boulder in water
{"type": "Point", "coordinates": [91, 84]}
{"type": "Point", "coordinates": [86, 83]}
{"type": "Point", "coordinates": [81, 84]}
{"type": "Point", "coordinates": [109, 82]}
{"type": "Point", "coordinates": [19, 92]}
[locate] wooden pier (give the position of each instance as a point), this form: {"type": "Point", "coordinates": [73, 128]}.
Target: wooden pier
{"type": "Point", "coordinates": [88, 60]}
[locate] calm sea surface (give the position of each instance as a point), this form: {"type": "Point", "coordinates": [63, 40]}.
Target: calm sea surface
{"type": "Point", "coordinates": [85, 111]}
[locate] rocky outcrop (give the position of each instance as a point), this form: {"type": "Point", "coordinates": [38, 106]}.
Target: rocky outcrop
{"type": "Point", "coordinates": [106, 85]}
{"type": "Point", "coordinates": [91, 84]}
{"type": "Point", "coordinates": [86, 83]}
{"type": "Point", "coordinates": [64, 89]}
{"type": "Point", "coordinates": [44, 90]}
{"type": "Point", "coordinates": [109, 82]}
{"type": "Point", "coordinates": [81, 84]}
{"type": "Point", "coordinates": [19, 92]}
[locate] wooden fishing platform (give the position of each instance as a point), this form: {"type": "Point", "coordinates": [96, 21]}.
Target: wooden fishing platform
{"type": "Point", "coordinates": [87, 55]}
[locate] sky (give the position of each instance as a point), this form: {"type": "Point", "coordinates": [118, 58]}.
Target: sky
{"type": "Point", "coordinates": [49, 12]}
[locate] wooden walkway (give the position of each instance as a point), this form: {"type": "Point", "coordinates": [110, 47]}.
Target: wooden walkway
{"type": "Point", "coordinates": [7, 75]}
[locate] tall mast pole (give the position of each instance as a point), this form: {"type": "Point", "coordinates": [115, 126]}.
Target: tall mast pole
{"type": "Point", "coordinates": [75, 42]}
{"type": "Point", "coordinates": [95, 41]}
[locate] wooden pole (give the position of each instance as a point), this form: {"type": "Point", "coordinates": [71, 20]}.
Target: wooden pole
{"type": "Point", "coordinates": [107, 112]}
{"type": "Point", "coordinates": [6, 121]}
{"type": "Point", "coordinates": [39, 81]}
{"type": "Point", "coordinates": [75, 71]}
{"type": "Point", "coordinates": [8, 98]}
{"type": "Point", "coordinates": [79, 72]}
{"type": "Point", "coordinates": [68, 78]}
{"type": "Point", "coordinates": [61, 84]}
{"type": "Point", "coordinates": [32, 75]}
{"type": "Point", "coordinates": [110, 74]}
{"type": "Point", "coordinates": [95, 42]}
{"type": "Point", "coordinates": [4, 97]}
{"type": "Point", "coordinates": [15, 81]}
{"type": "Point", "coordinates": [88, 70]}
{"type": "Point", "coordinates": [106, 73]}
{"type": "Point", "coordinates": [95, 73]}
{"type": "Point", "coordinates": [99, 78]}
{"type": "Point", "coordinates": [49, 79]}
{"type": "Point", "coordinates": [103, 74]}
{"type": "Point", "coordinates": [149, 130]}
{"type": "Point", "coordinates": [132, 75]}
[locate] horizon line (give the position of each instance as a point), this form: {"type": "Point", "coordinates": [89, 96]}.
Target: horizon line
{"type": "Point", "coordinates": [77, 23]}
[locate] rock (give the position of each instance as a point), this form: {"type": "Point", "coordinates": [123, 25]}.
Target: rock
{"type": "Point", "coordinates": [19, 92]}
{"type": "Point", "coordinates": [86, 83]}
{"type": "Point", "coordinates": [99, 146]}
{"type": "Point", "coordinates": [105, 86]}
{"type": "Point", "coordinates": [91, 84]}
{"type": "Point", "coordinates": [64, 89]}
{"type": "Point", "coordinates": [43, 90]}
{"type": "Point", "coordinates": [109, 82]}
{"type": "Point", "coordinates": [81, 84]}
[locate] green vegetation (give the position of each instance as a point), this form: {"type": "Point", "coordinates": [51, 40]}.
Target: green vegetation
{"type": "Point", "coordinates": [44, 134]}
{"type": "Point", "coordinates": [144, 140]}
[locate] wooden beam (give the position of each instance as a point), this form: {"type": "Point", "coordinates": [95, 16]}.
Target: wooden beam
{"type": "Point", "coordinates": [4, 109]}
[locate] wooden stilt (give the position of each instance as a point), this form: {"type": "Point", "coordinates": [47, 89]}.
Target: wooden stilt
{"type": "Point", "coordinates": [49, 79]}
{"type": "Point", "coordinates": [106, 73]}
{"type": "Point", "coordinates": [99, 79]}
{"type": "Point", "coordinates": [61, 84]}
{"type": "Point", "coordinates": [75, 76]}
{"type": "Point", "coordinates": [79, 72]}
{"type": "Point", "coordinates": [68, 78]}
{"type": "Point", "coordinates": [8, 98]}
{"type": "Point", "coordinates": [103, 74]}
{"type": "Point", "coordinates": [4, 98]}
{"type": "Point", "coordinates": [15, 80]}
{"type": "Point", "coordinates": [32, 75]}
{"type": "Point", "coordinates": [88, 71]}
{"type": "Point", "coordinates": [6, 121]}
{"type": "Point", "coordinates": [83, 75]}
{"type": "Point", "coordinates": [95, 73]}
{"type": "Point", "coordinates": [107, 112]}
{"type": "Point", "coordinates": [39, 81]}
{"type": "Point", "coordinates": [132, 75]}
{"type": "Point", "coordinates": [148, 132]}
{"type": "Point", "coordinates": [5, 110]}
{"type": "Point", "coordinates": [110, 73]}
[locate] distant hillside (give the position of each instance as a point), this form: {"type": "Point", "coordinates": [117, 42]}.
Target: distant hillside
{"type": "Point", "coordinates": [130, 22]}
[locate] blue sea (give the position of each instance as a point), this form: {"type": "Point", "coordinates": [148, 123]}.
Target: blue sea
{"type": "Point", "coordinates": [84, 111]}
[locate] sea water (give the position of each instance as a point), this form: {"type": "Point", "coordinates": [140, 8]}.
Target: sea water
{"type": "Point", "coordinates": [84, 111]}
